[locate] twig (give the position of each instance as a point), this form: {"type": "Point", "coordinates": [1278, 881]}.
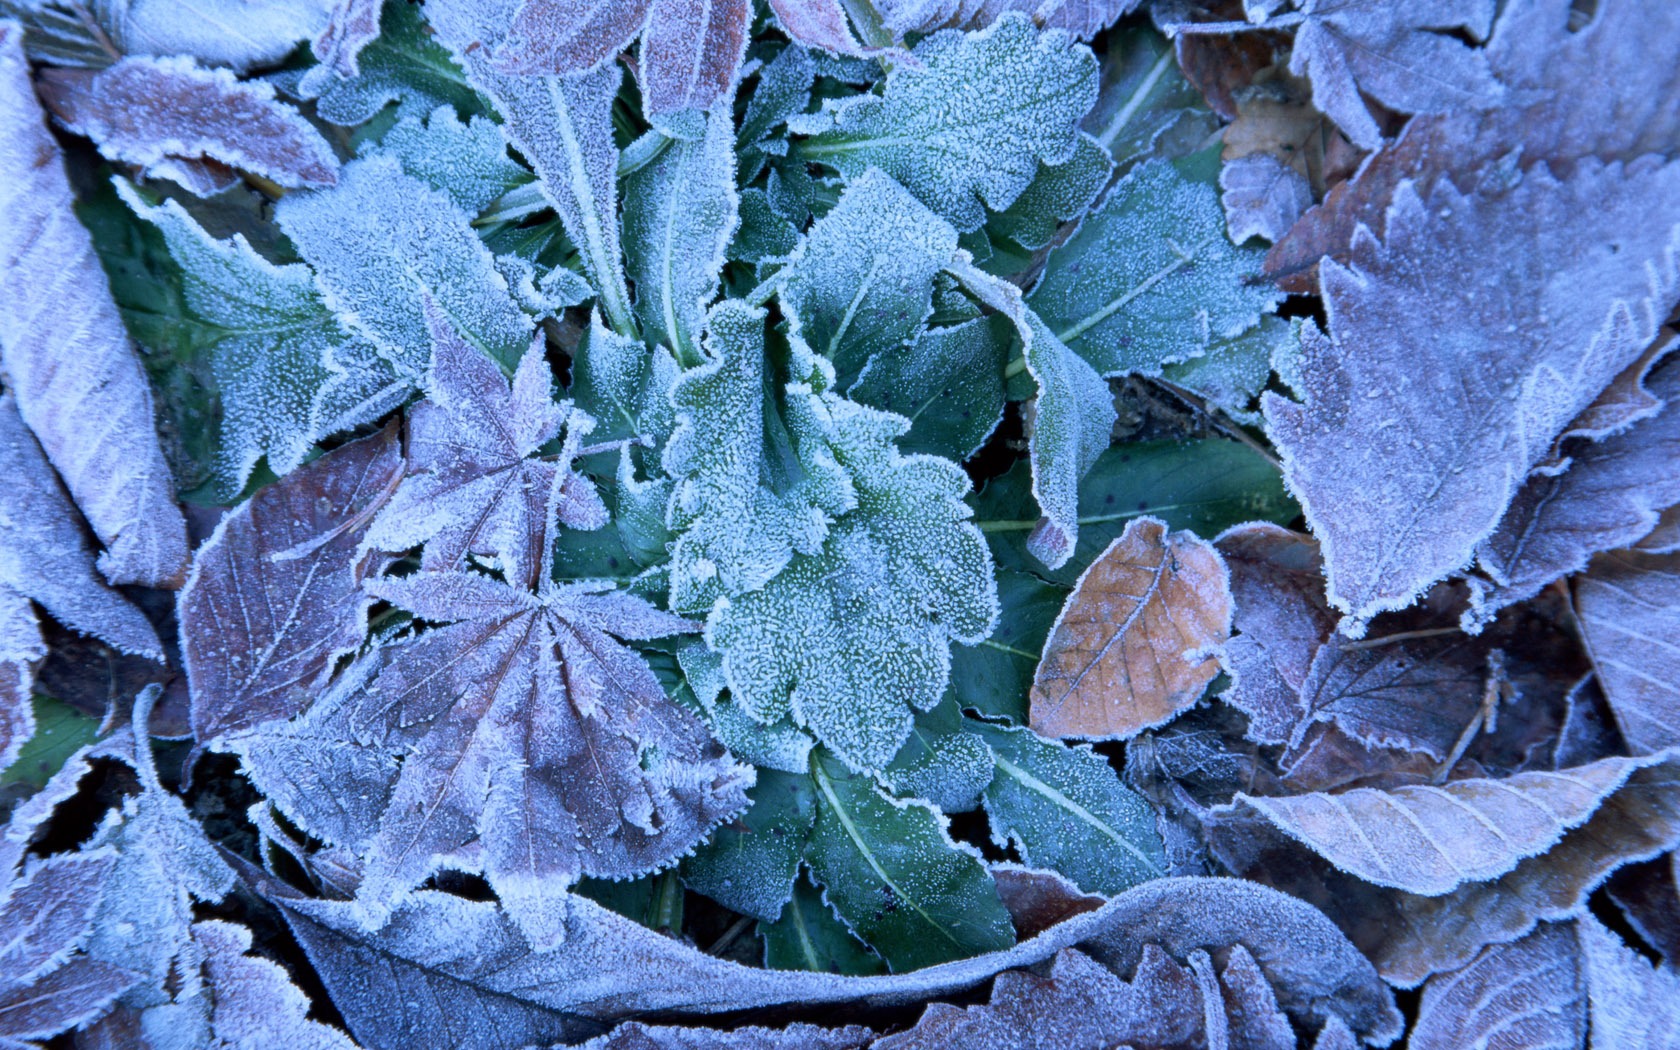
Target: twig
{"type": "Point", "coordinates": [1402, 636]}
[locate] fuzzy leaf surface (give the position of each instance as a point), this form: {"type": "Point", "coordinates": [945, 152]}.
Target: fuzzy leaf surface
{"type": "Point", "coordinates": [750, 865]}
{"type": "Point", "coordinates": [1526, 993]}
{"type": "Point", "coordinates": [1628, 604]}
{"type": "Point", "coordinates": [1083, 18]}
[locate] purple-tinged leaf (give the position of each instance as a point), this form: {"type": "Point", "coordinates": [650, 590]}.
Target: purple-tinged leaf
{"type": "Point", "coordinates": [1526, 995]}
{"type": "Point", "coordinates": [1430, 840]}
{"type": "Point", "coordinates": [79, 386]}
{"type": "Point", "coordinates": [354, 24]}
{"type": "Point", "coordinates": [569, 36]}
{"type": "Point", "coordinates": [67, 997]}
{"type": "Point", "coordinates": [1628, 605]}
{"type": "Point", "coordinates": [21, 648]}
{"type": "Point", "coordinates": [175, 119]}
{"type": "Point", "coordinates": [818, 24]}
{"type": "Point", "coordinates": [1631, 1003]}
{"type": "Point", "coordinates": [45, 914]}
{"type": "Point", "coordinates": [274, 595]}
{"type": "Point", "coordinates": [1262, 196]}
{"type": "Point", "coordinates": [251, 1002]}
{"type": "Point", "coordinates": [692, 52]}
{"type": "Point", "coordinates": [471, 487]}
{"type": "Point", "coordinates": [1083, 18]}
{"type": "Point", "coordinates": [1456, 356]}
{"type": "Point", "coordinates": [638, 1036]}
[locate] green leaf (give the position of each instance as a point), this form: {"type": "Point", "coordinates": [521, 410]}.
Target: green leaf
{"type": "Point", "coordinates": [943, 762]}
{"type": "Point", "coordinates": [59, 730]}
{"type": "Point", "coordinates": [782, 90]}
{"type": "Point", "coordinates": [808, 936]}
{"type": "Point", "coordinates": [949, 383]}
{"type": "Point", "coordinates": [679, 214]}
{"type": "Point", "coordinates": [1058, 194]}
{"type": "Point", "coordinates": [896, 878]}
{"type": "Point", "coordinates": [468, 162]}
{"type": "Point", "coordinates": [382, 240]}
{"type": "Point", "coordinates": [404, 64]}
{"type": "Point", "coordinates": [967, 129]}
{"type": "Point", "coordinates": [1150, 277]}
{"type": "Point", "coordinates": [763, 234]}
{"type": "Point", "coordinates": [995, 677]}
{"type": "Point", "coordinates": [778, 745]}
{"type": "Point", "coordinates": [1064, 808]}
{"type": "Point", "coordinates": [1233, 372]}
{"type": "Point", "coordinates": [1206, 486]}
{"type": "Point", "coordinates": [862, 280]}
{"type": "Point", "coordinates": [623, 385]}
{"type": "Point", "coordinates": [1146, 108]}
{"type": "Point", "coordinates": [750, 865]}
{"type": "Point", "coordinates": [285, 372]}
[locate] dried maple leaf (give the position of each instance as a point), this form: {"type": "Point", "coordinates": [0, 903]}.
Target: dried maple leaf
{"type": "Point", "coordinates": [1130, 648]}
{"type": "Point", "coordinates": [1455, 359]}
{"type": "Point", "coordinates": [80, 386]}
{"type": "Point", "coordinates": [471, 485]}
{"type": "Point", "coordinates": [177, 120]}
{"type": "Point", "coordinates": [538, 738]}
{"type": "Point", "coordinates": [1628, 605]}
{"type": "Point", "coordinates": [691, 49]}
{"type": "Point", "coordinates": [273, 598]}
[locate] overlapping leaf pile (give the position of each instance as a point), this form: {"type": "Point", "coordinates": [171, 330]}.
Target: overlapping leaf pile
{"type": "Point", "coordinates": [536, 523]}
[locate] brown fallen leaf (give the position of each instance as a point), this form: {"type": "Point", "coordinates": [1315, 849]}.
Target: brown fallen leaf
{"type": "Point", "coordinates": [1130, 648]}
{"type": "Point", "coordinates": [1527, 993]}
{"type": "Point", "coordinates": [78, 381]}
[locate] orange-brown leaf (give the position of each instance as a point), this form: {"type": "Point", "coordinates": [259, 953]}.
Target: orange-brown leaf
{"type": "Point", "coordinates": [1130, 649]}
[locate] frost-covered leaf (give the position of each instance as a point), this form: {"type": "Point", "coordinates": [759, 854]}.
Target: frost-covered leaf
{"type": "Point", "coordinates": [1528, 993]}
{"type": "Point", "coordinates": [177, 120]}
{"type": "Point", "coordinates": [1233, 373]}
{"type": "Point", "coordinates": [995, 676]}
{"type": "Point", "coordinates": [1262, 196]}
{"type": "Point", "coordinates": [861, 282]}
{"type": "Point", "coordinates": [45, 556]}
{"type": "Point", "coordinates": [949, 383]}
{"type": "Point", "coordinates": [1083, 18]}
{"type": "Point", "coordinates": [896, 878]}
{"type": "Point", "coordinates": [966, 130]}
{"type": "Point", "coordinates": [242, 34]}
{"type": "Point", "coordinates": [1150, 276]}
{"type": "Point", "coordinates": [1630, 1002]}
{"type": "Point", "coordinates": [637, 1036]}
{"type": "Point", "coordinates": [471, 487]}
{"type": "Point", "coordinates": [679, 214]}
{"type": "Point", "coordinates": [1064, 808]}
{"type": "Point", "coordinates": [248, 1001]}
{"type": "Point", "coordinates": [1057, 194]}
{"type": "Point", "coordinates": [1628, 605]}
{"type": "Point", "coordinates": [469, 162]}
{"type": "Point", "coordinates": [403, 64]}
{"type": "Point", "coordinates": [570, 36]}
{"type": "Point", "coordinates": [538, 738]}
{"type": "Point", "coordinates": [817, 23]}
{"type": "Point", "coordinates": [1406, 58]}
{"type": "Point", "coordinates": [809, 936]}
{"type": "Point", "coordinates": [1132, 646]}
{"type": "Point", "coordinates": [563, 127]}
{"type": "Point", "coordinates": [1204, 485]}
{"type": "Point", "coordinates": [45, 913]}
{"type": "Point", "coordinates": [624, 385]}
{"type": "Point", "coordinates": [1145, 106]}
{"type": "Point", "coordinates": [943, 762]}
{"type": "Point", "coordinates": [288, 374]}
{"type": "Point", "coordinates": [381, 241]}
{"type": "Point", "coordinates": [750, 865]}
{"type": "Point", "coordinates": [1439, 387]}
{"type": "Point", "coordinates": [352, 26]}
{"type": "Point", "coordinates": [1429, 840]}
{"type": "Point", "coordinates": [115, 471]}
{"type": "Point", "coordinates": [273, 598]}
{"type": "Point", "coordinates": [21, 646]}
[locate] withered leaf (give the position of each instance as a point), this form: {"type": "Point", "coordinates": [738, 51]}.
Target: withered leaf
{"type": "Point", "coordinates": [1132, 646]}
{"type": "Point", "coordinates": [1262, 196]}
{"type": "Point", "coordinates": [539, 740]}
{"type": "Point", "coordinates": [1628, 605]}
{"type": "Point", "coordinates": [1426, 405]}
{"type": "Point", "coordinates": [1527, 993]}
{"type": "Point", "coordinates": [817, 23]}
{"type": "Point", "coordinates": [273, 598]}
{"type": "Point", "coordinates": [80, 386]}
{"type": "Point", "coordinates": [175, 119]}
{"type": "Point", "coordinates": [638, 1036]}
{"type": "Point", "coordinates": [471, 485]}
{"type": "Point", "coordinates": [249, 1000]}
{"type": "Point", "coordinates": [1430, 840]}
{"type": "Point", "coordinates": [353, 25]}
{"type": "Point", "coordinates": [1630, 1002]}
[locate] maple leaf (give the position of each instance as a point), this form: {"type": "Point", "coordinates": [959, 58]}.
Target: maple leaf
{"type": "Point", "coordinates": [537, 735]}
{"type": "Point", "coordinates": [1132, 646]}
{"type": "Point", "coordinates": [115, 471]}
{"type": "Point", "coordinates": [1402, 470]}
{"type": "Point", "coordinates": [175, 119]}
{"type": "Point", "coordinates": [691, 51]}
{"type": "Point", "coordinates": [471, 484]}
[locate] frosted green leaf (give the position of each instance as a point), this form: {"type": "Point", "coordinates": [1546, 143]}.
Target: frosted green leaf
{"type": "Point", "coordinates": [942, 763]}
{"type": "Point", "coordinates": [403, 65]}
{"type": "Point", "coordinates": [809, 936]}
{"type": "Point", "coordinates": [1145, 107]}
{"type": "Point", "coordinates": [1064, 808]}
{"type": "Point", "coordinates": [380, 241]}
{"type": "Point", "coordinates": [783, 89]}
{"type": "Point", "coordinates": [241, 34]}
{"type": "Point", "coordinates": [563, 127]}
{"type": "Point", "coordinates": [896, 878]}
{"type": "Point", "coordinates": [949, 384]}
{"type": "Point", "coordinates": [1150, 277]}
{"type": "Point", "coordinates": [755, 483]}
{"type": "Point", "coordinates": [862, 281]}
{"type": "Point", "coordinates": [750, 864]}
{"type": "Point", "coordinates": [469, 162]}
{"type": "Point", "coordinates": [1072, 417]}
{"type": "Point", "coordinates": [1231, 374]}
{"type": "Point", "coordinates": [851, 639]}
{"type": "Point", "coordinates": [1057, 194]}
{"type": "Point", "coordinates": [623, 385]}
{"type": "Point", "coordinates": [1205, 486]}
{"type": "Point", "coordinates": [965, 131]}
{"type": "Point", "coordinates": [995, 676]}
{"type": "Point", "coordinates": [763, 234]}
{"type": "Point", "coordinates": [779, 745]}
{"type": "Point", "coordinates": [679, 213]}
{"type": "Point", "coordinates": [288, 373]}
